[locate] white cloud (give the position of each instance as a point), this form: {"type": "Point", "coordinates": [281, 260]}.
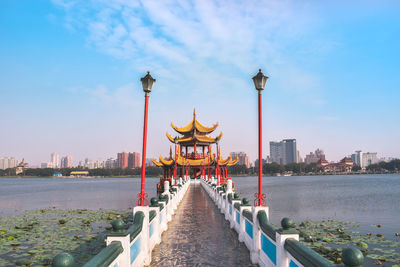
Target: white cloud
{"type": "Point", "coordinates": [222, 37]}
{"type": "Point", "coordinates": [123, 96]}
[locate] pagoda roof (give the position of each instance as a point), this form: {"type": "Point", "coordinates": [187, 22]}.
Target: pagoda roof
{"type": "Point", "coordinates": [195, 139]}
{"type": "Point", "coordinates": [210, 160]}
{"type": "Point", "coordinates": [194, 126]}
{"type": "Point", "coordinates": [183, 161]}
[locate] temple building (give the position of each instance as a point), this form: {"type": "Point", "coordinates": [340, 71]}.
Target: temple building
{"type": "Point", "coordinates": [193, 156]}
{"type": "Point", "coordinates": [345, 165]}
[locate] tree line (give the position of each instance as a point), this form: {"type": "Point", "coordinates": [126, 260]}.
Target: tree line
{"type": "Point", "coordinates": [273, 168]}
{"type": "Point", "coordinates": [268, 168]}
{"type": "Point", "coordinates": [391, 166]}
{"type": "Point", "coordinates": [48, 172]}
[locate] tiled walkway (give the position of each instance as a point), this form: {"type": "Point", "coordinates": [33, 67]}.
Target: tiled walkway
{"type": "Point", "coordinates": [198, 235]}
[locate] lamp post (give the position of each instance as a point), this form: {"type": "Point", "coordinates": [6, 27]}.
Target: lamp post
{"type": "Point", "coordinates": [259, 82]}
{"type": "Point", "coordinates": [175, 141]}
{"type": "Point", "coordinates": [147, 83]}
{"type": "Point", "coordinates": [217, 168]}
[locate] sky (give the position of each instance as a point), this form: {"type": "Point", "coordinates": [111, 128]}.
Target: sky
{"type": "Point", "coordinates": [70, 75]}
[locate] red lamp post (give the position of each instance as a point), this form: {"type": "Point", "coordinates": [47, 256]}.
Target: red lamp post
{"type": "Point", "coordinates": [217, 168]}
{"type": "Point", "coordinates": [147, 83]}
{"type": "Point", "coordinates": [259, 82]}
{"type": "Point", "coordinates": [175, 141]}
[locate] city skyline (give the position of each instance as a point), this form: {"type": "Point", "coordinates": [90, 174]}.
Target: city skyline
{"type": "Point", "coordinates": [133, 159]}
{"type": "Point", "coordinates": [71, 79]}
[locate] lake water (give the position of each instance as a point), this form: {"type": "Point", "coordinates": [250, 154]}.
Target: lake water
{"type": "Point", "coordinates": [366, 199]}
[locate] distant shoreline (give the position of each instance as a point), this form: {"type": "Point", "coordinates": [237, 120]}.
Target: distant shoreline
{"type": "Point", "coordinates": [232, 175]}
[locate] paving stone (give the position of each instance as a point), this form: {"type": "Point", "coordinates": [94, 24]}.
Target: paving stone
{"type": "Point", "coordinates": [199, 235]}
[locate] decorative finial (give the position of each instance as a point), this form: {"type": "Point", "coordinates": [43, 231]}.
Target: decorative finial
{"type": "Point", "coordinates": [194, 113]}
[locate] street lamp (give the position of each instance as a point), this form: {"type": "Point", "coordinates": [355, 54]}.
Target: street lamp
{"type": "Point", "coordinates": [147, 83]}
{"type": "Point", "coordinates": [259, 82]}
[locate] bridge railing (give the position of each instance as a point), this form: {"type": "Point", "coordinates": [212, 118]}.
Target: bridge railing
{"type": "Point", "coordinates": [131, 245]}
{"type": "Point", "coordinates": [268, 245]}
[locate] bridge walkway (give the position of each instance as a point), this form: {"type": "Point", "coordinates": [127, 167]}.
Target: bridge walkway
{"type": "Point", "coordinates": [198, 235]}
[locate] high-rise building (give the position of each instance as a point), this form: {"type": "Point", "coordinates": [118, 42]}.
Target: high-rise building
{"type": "Point", "coordinates": [357, 157]}
{"type": "Point", "coordinates": [283, 152]}
{"type": "Point", "coordinates": [111, 163]}
{"type": "Point", "coordinates": [122, 160]}
{"type": "Point", "coordinates": [276, 152]}
{"type": "Point", "coordinates": [299, 159]}
{"type": "Point", "coordinates": [369, 158]}
{"type": "Point", "coordinates": [66, 162]}
{"type": "Point", "coordinates": [6, 163]}
{"type": "Point", "coordinates": [134, 160]}
{"type": "Point", "coordinates": [243, 158]}
{"type": "Point", "coordinates": [55, 160]}
{"type": "Point", "coordinates": [314, 157]}
{"type": "Point", "coordinates": [364, 159]}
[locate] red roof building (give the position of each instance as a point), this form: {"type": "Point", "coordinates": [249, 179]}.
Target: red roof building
{"type": "Point", "coordinates": [345, 165]}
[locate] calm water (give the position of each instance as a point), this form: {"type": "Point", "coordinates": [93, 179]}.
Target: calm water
{"type": "Point", "coordinates": [21, 194]}
{"type": "Point", "coordinates": [366, 199]}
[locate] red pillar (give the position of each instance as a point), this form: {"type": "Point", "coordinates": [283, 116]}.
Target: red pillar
{"type": "Point", "coordinates": [195, 150]}
{"type": "Point", "coordinates": [217, 170]}
{"type": "Point", "coordinates": [260, 201]}
{"type": "Point", "coordinates": [175, 165]}
{"type": "Point", "coordinates": [142, 201]}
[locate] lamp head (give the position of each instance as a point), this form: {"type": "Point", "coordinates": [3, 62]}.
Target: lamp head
{"type": "Point", "coordinates": [260, 80]}
{"type": "Point", "coordinates": [147, 83]}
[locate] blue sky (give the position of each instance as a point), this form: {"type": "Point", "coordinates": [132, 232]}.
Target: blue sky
{"type": "Point", "coordinates": [70, 74]}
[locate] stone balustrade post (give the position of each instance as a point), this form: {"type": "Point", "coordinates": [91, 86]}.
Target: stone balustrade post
{"type": "Point", "coordinates": [145, 244]}
{"type": "Point", "coordinates": [255, 253]}
{"type": "Point", "coordinates": [244, 206]}
{"type": "Point", "coordinates": [156, 220]}
{"type": "Point", "coordinates": [287, 231]}
{"type": "Point", "coordinates": [118, 234]}
{"type": "Point", "coordinates": [232, 217]}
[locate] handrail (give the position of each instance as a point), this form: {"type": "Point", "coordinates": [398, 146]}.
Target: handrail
{"type": "Point", "coordinates": [137, 226]}
{"type": "Point", "coordinates": [265, 226]}
{"type": "Point", "coordinates": [152, 215]}
{"type": "Point", "coordinates": [305, 255]}
{"type": "Point", "coordinates": [230, 197]}
{"type": "Point", "coordinates": [106, 256]}
{"type": "Point", "coordinates": [248, 214]}
{"type": "Point", "coordinates": [164, 198]}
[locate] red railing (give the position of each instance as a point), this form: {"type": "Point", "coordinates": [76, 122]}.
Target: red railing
{"type": "Point", "coordinates": [195, 155]}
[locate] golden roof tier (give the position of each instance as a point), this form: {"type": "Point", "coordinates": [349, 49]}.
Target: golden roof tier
{"type": "Point", "coordinates": [200, 140]}
{"type": "Point", "coordinates": [194, 127]}
{"type": "Point", "coordinates": [181, 161]}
